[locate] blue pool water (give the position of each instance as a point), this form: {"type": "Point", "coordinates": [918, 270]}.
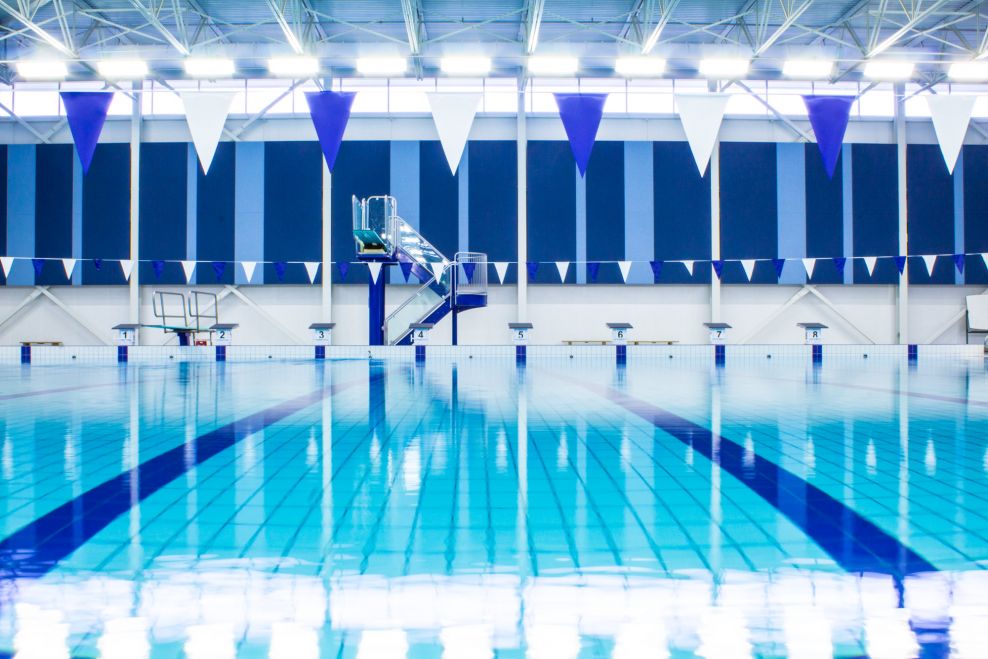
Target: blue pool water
{"type": "Point", "coordinates": [567, 509]}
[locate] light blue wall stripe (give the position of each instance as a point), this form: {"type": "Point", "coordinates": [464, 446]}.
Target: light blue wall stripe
{"type": "Point", "coordinates": [249, 207]}
{"type": "Point", "coordinates": [192, 205]}
{"type": "Point", "coordinates": [405, 180]}
{"type": "Point", "coordinates": [791, 198]}
{"type": "Point", "coordinates": [77, 188]}
{"type": "Point", "coordinates": [21, 176]}
{"type": "Point", "coordinates": [639, 209]}
{"type": "Point", "coordinates": [463, 200]}
{"type": "Point", "coordinates": [581, 227]}
{"type": "Point", "coordinates": [959, 212]}
{"type": "Point", "coordinates": [847, 202]}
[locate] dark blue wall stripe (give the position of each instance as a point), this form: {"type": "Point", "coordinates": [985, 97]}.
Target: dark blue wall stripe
{"type": "Point", "coordinates": [53, 210]}
{"type": "Point", "coordinates": [551, 208]}
{"type": "Point", "coordinates": [930, 190]}
{"type": "Point", "coordinates": [163, 209]}
{"type": "Point", "coordinates": [748, 209]}
{"type": "Point", "coordinates": [362, 169]}
{"type": "Point", "coordinates": [438, 199]}
{"type": "Point", "coordinates": [3, 205]}
{"type": "Point", "coordinates": [106, 213]}
{"type": "Point", "coordinates": [682, 212]}
{"type": "Point", "coordinates": [824, 216]}
{"type": "Point", "coordinates": [605, 209]}
{"type": "Point", "coordinates": [976, 211]}
{"type": "Point", "coordinates": [215, 219]}
{"type": "Point", "coordinates": [292, 207]}
{"type": "Point", "coordinates": [876, 208]}
{"type": "Point", "coordinates": [493, 201]}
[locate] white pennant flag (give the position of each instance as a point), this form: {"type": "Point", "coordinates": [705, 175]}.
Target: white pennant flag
{"type": "Point", "coordinates": [188, 267]}
{"type": "Point", "coordinates": [984, 257]}
{"type": "Point", "coordinates": [625, 267]}
{"type": "Point", "coordinates": [951, 116]}
{"type": "Point", "coordinates": [701, 116]}
{"type": "Point", "coordinates": [749, 267]}
{"type": "Point", "coordinates": [563, 268]}
{"type": "Point", "coordinates": [6, 262]}
{"type": "Point", "coordinates": [127, 266]}
{"type": "Point", "coordinates": [437, 270]}
{"type": "Point", "coordinates": [453, 115]}
{"type": "Point", "coordinates": [870, 263]}
{"type": "Point", "coordinates": [501, 268]}
{"type": "Point", "coordinates": [929, 260]}
{"type": "Point", "coordinates": [689, 266]}
{"type": "Point", "coordinates": [375, 270]}
{"type": "Point", "coordinates": [312, 267]}
{"type": "Point", "coordinates": [809, 265]}
{"type": "Point", "coordinates": [69, 266]}
{"type": "Point", "coordinates": [248, 267]}
{"type": "Point", "coordinates": [206, 114]}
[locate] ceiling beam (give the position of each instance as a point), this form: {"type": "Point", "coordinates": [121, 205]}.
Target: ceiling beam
{"type": "Point", "coordinates": [533, 23]}
{"type": "Point", "coordinates": [152, 16]}
{"type": "Point", "coordinates": [789, 21]}
{"type": "Point", "coordinates": [917, 17]}
{"type": "Point", "coordinates": [665, 13]}
{"type": "Point", "coordinates": [36, 29]}
{"type": "Point", "coordinates": [411, 11]}
{"type": "Point", "coordinates": [278, 9]}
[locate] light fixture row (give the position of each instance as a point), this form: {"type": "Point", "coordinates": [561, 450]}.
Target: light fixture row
{"type": "Point", "coordinates": [475, 65]}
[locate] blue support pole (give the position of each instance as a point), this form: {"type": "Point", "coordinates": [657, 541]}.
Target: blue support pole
{"type": "Point", "coordinates": [817, 353]}
{"type": "Point", "coordinates": [375, 305]}
{"type": "Point", "coordinates": [122, 354]}
{"type": "Point", "coordinates": [25, 354]}
{"type": "Point", "coordinates": [320, 352]}
{"type": "Point", "coordinates": [720, 355]}
{"type": "Point", "coordinates": [221, 353]}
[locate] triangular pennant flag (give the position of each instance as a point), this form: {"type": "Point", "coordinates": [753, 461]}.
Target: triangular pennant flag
{"type": "Point", "coordinates": [188, 267]}
{"type": "Point", "coordinates": [127, 266]}
{"type": "Point", "coordinates": [593, 269]}
{"type": "Point", "coordinates": [206, 112]}
{"type": "Point", "coordinates": [951, 116]}
{"type": "Point", "coordinates": [749, 267]}
{"type": "Point", "coordinates": [718, 267]}
{"type": "Point", "coordinates": [344, 267]}
{"type": "Point", "coordinates": [900, 263]}
{"type": "Point", "coordinates": [532, 267]}
{"type": "Point", "coordinates": [38, 265]}
{"type": "Point", "coordinates": [468, 270]}
{"type": "Point", "coordinates": [406, 269]}
{"type": "Point", "coordinates": [158, 267]}
{"type": "Point", "coordinates": [581, 114]}
{"type": "Point", "coordinates": [85, 113]}
{"type": "Point", "coordinates": [656, 270]}
{"type": "Point", "coordinates": [248, 267]}
{"type": "Point", "coordinates": [625, 267]}
{"type": "Point", "coordinates": [959, 262]}
{"type": "Point", "coordinates": [375, 270]}
{"type": "Point", "coordinates": [453, 115]}
{"type": "Point", "coordinates": [438, 267]}
{"type": "Point", "coordinates": [689, 266]}
{"type": "Point", "coordinates": [279, 269]}
{"type": "Point", "coordinates": [219, 267]}
{"type": "Point", "coordinates": [839, 263]}
{"type": "Point", "coordinates": [6, 262]}
{"type": "Point", "coordinates": [69, 266]}
{"type": "Point", "coordinates": [701, 116]}
{"type": "Point", "coordinates": [779, 265]}
{"type": "Point", "coordinates": [809, 265]}
{"type": "Point", "coordinates": [930, 261]}
{"type": "Point", "coordinates": [330, 112]}
{"type": "Point", "coordinates": [501, 268]}
{"type": "Point", "coordinates": [98, 264]}
{"type": "Point", "coordinates": [311, 268]}
{"type": "Point", "coordinates": [828, 116]}
{"type": "Point", "coordinates": [870, 262]}
{"type": "Point", "coordinates": [562, 267]}
{"type": "Point", "coordinates": [984, 258]}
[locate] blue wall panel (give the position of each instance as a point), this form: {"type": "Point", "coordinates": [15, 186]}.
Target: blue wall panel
{"type": "Point", "coordinates": [292, 208]}
{"type": "Point", "coordinates": [439, 206]}
{"type": "Point", "coordinates": [930, 189]}
{"type": "Point", "coordinates": [976, 212]}
{"type": "Point", "coordinates": [876, 208]}
{"type": "Point", "coordinates": [21, 198]}
{"type": "Point", "coordinates": [53, 208]}
{"type": "Point", "coordinates": [163, 209]}
{"type": "Point", "coordinates": [682, 212]}
{"type": "Point", "coordinates": [749, 209]}
{"type": "Point", "coordinates": [493, 201]}
{"type": "Point", "coordinates": [3, 206]}
{"type": "Point", "coordinates": [551, 208]}
{"type": "Point", "coordinates": [106, 214]}
{"type": "Point", "coordinates": [605, 210]}
{"type": "Point", "coordinates": [215, 213]}
{"type": "Point", "coordinates": [824, 216]}
{"type": "Point", "coordinates": [362, 169]}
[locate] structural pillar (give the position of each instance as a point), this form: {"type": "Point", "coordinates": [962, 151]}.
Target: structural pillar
{"type": "Point", "coordinates": [522, 315]}
{"type": "Point", "coordinates": [135, 207]}
{"type": "Point", "coordinates": [715, 232]}
{"type": "Point", "coordinates": [327, 243]}
{"type": "Point", "coordinates": [900, 147]}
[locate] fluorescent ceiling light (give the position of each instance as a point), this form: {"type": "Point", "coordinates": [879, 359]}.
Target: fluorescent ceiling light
{"type": "Point", "coordinates": [382, 66]}
{"type": "Point", "coordinates": [42, 69]}
{"type": "Point", "coordinates": [808, 69]}
{"type": "Point", "coordinates": [295, 67]}
{"type": "Point", "coordinates": [559, 66]}
{"type": "Point", "coordinates": [968, 71]}
{"type": "Point", "coordinates": [724, 67]}
{"type": "Point", "coordinates": [122, 69]}
{"type": "Point", "coordinates": [640, 66]}
{"type": "Point", "coordinates": [209, 67]}
{"type": "Point", "coordinates": [888, 70]}
{"type": "Point", "coordinates": [465, 65]}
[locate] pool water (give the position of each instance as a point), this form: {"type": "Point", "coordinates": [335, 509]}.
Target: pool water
{"type": "Point", "coordinates": [358, 508]}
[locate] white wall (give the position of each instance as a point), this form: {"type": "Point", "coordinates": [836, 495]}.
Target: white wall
{"type": "Point", "coordinates": [558, 312]}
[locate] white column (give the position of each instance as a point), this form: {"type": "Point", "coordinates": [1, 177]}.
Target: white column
{"type": "Point", "coordinates": [522, 207]}
{"type": "Point", "coordinates": [900, 145]}
{"type": "Point", "coordinates": [715, 231]}
{"type": "Point", "coordinates": [135, 205]}
{"type": "Point", "coordinates": [327, 243]}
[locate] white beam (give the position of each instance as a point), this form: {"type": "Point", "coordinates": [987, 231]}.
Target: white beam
{"type": "Point", "coordinates": [919, 16]}
{"type": "Point", "coordinates": [286, 28]}
{"type": "Point", "coordinates": [653, 37]}
{"type": "Point", "coordinates": [153, 18]}
{"type": "Point", "coordinates": [267, 314]}
{"type": "Point", "coordinates": [37, 30]}
{"type": "Point", "coordinates": [789, 21]}
{"type": "Point", "coordinates": [533, 23]}
{"type": "Point", "coordinates": [830, 305]}
{"type": "Point", "coordinates": [411, 11]}
{"type": "Point", "coordinates": [71, 314]}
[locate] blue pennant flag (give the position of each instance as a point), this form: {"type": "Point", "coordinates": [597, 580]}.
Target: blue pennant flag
{"type": "Point", "coordinates": [468, 270]}
{"type": "Point", "coordinates": [38, 264]}
{"type": "Point", "coordinates": [158, 267]}
{"type": "Point", "coordinates": [98, 264]}
{"type": "Point", "coordinates": [656, 270]}
{"type": "Point", "coordinates": [219, 267]}
{"type": "Point", "coordinates": [330, 112]}
{"type": "Point", "coordinates": [718, 267]}
{"type": "Point", "coordinates": [532, 267]}
{"type": "Point", "coordinates": [406, 270]}
{"type": "Point", "coordinates": [778, 264]}
{"type": "Point", "coordinates": [839, 263]}
{"type": "Point", "coordinates": [581, 114]}
{"type": "Point", "coordinates": [343, 267]}
{"type": "Point", "coordinates": [828, 115]}
{"type": "Point", "coordinates": [593, 268]}
{"type": "Point", "coordinates": [85, 113]}
{"type": "Point", "coordinates": [959, 262]}
{"type": "Point", "coordinates": [279, 270]}
{"type": "Point", "coordinates": [900, 263]}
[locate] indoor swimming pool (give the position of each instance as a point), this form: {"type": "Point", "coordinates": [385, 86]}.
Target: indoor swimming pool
{"type": "Point", "coordinates": [473, 508]}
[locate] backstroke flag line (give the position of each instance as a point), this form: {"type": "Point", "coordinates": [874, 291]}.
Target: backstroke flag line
{"type": "Point", "coordinates": [701, 115]}
{"type": "Point", "coordinates": [453, 115]}
{"type": "Point", "coordinates": [85, 113]}
{"type": "Point", "coordinates": [330, 112]}
{"type": "Point", "coordinates": [581, 115]}
{"type": "Point", "coordinates": [951, 116]}
{"type": "Point", "coordinates": [206, 113]}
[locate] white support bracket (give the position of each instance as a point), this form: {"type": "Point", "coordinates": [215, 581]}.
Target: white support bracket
{"type": "Point", "coordinates": [956, 318]}
{"type": "Point", "coordinates": [271, 318]}
{"type": "Point", "coordinates": [71, 314]}
{"type": "Point", "coordinates": [830, 305]}
{"type": "Point", "coordinates": [807, 289]}
{"type": "Point", "coordinates": [34, 295]}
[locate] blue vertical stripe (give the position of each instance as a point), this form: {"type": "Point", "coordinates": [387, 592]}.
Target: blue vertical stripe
{"type": "Point", "coordinates": [639, 209]}
{"type": "Point", "coordinates": [21, 197]}
{"type": "Point", "coordinates": [975, 205]}
{"type": "Point", "coordinates": [749, 209]}
{"type": "Point", "coordinates": [581, 227]}
{"type": "Point", "coordinates": [824, 208]}
{"type": "Point", "coordinates": [405, 180]}
{"type": "Point", "coordinates": [215, 212]}
{"type": "Point", "coordinates": [53, 210]}
{"type": "Point", "coordinates": [163, 205]}
{"type": "Point", "coordinates": [551, 208]}
{"type": "Point", "coordinates": [3, 205]}
{"type": "Point", "coordinates": [249, 207]}
{"type": "Point", "coordinates": [362, 169]}
{"type": "Point", "coordinates": [605, 198]}
{"type": "Point", "coordinates": [191, 203]}
{"type": "Point", "coordinates": [958, 182]}
{"type": "Point", "coordinates": [876, 211]}
{"type": "Point", "coordinates": [682, 212]}
{"type": "Point", "coordinates": [292, 208]}
{"type": "Point", "coordinates": [77, 188]}
{"type": "Point", "coordinates": [106, 213]}
{"type": "Point", "coordinates": [493, 201]}
{"type": "Point", "coordinates": [463, 200]}
{"type": "Point", "coordinates": [791, 200]}
{"type": "Point", "coordinates": [931, 211]}
{"type": "Point", "coordinates": [439, 207]}
{"type": "Point", "coordinates": [847, 173]}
